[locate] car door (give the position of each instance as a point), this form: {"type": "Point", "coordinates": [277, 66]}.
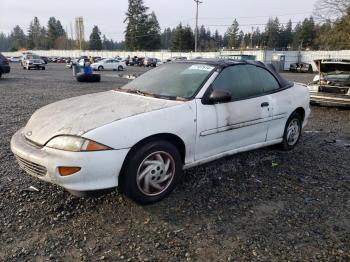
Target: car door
{"type": "Point", "coordinates": [107, 65]}
{"type": "Point", "coordinates": [280, 103]}
{"type": "Point", "coordinates": [237, 124]}
{"type": "Point", "coordinates": [114, 64]}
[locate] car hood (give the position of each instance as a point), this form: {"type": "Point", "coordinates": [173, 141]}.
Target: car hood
{"type": "Point", "coordinates": [78, 115]}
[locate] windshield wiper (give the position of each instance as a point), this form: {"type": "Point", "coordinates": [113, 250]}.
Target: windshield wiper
{"type": "Point", "coordinates": [145, 93]}
{"type": "Point", "coordinates": [136, 91]}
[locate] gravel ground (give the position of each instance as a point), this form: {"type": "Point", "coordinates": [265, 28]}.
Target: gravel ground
{"type": "Point", "coordinates": [264, 205]}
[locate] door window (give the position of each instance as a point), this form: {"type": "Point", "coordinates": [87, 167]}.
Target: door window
{"type": "Point", "coordinates": [244, 81]}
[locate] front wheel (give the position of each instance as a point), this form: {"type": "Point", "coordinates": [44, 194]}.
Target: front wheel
{"type": "Point", "coordinates": [120, 68]}
{"type": "Point", "coordinates": [100, 68]}
{"type": "Point", "coordinates": [292, 132]}
{"type": "Point", "coordinates": [151, 172]}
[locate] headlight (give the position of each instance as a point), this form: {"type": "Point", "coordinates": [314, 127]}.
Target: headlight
{"type": "Point", "coordinates": [75, 144]}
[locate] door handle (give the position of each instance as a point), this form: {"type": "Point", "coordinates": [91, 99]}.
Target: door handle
{"type": "Point", "coordinates": [265, 104]}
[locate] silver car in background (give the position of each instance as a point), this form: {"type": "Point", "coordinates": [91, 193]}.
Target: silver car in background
{"type": "Point", "coordinates": [31, 61]}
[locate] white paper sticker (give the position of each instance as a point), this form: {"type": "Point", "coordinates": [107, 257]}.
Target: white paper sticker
{"type": "Point", "coordinates": [201, 67]}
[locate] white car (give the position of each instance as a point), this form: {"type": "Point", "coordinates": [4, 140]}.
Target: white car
{"type": "Point", "coordinates": [109, 64]}
{"type": "Point", "coordinates": [15, 59]}
{"type": "Point", "coordinates": [141, 136]}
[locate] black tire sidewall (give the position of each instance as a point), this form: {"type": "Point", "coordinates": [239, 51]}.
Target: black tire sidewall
{"type": "Point", "coordinates": [100, 68]}
{"type": "Point", "coordinates": [285, 145]}
{"type": "Point", "coordinates": [128, 180]}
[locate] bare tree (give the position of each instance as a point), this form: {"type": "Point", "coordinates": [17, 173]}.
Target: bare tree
{"type": "Point", "coordinates": [330, 10]}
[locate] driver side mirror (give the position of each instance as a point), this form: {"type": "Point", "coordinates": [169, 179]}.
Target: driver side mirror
{"type": "Point", "coordinates": [219, 96]}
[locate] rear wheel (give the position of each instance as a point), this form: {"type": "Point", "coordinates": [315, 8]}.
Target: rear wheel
{"type": "Point", "coordinates": [151, 172]}
{"type": "Point", "coordinates": [292, 132]}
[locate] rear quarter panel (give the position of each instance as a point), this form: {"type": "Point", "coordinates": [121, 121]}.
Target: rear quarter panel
{"type": "Point", "coordinates": [284, 103]}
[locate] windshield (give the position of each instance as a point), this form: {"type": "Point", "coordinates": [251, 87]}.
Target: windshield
{"type": "Point", "coordinates": [33, 57]}
{"type": "Point", "coordinates": [171, 80]}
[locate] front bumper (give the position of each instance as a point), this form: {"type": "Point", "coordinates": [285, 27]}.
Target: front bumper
{"type": "Point", "coordinates": [329, 99]}
{"type": "Point", "coordinates": [36, 66]}
{"type": "Point", "coordinates": [99, 170]}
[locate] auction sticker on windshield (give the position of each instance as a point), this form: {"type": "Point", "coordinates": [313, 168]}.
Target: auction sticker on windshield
{"type": "Point", "coordinates": [201, 67]}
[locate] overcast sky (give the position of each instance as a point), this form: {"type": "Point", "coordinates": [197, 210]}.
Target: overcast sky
{"type": "Point", "coordinates": [110, 14]}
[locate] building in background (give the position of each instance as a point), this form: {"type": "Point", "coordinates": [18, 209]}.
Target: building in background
{"type": "Point", "coordinates": [79, 31]}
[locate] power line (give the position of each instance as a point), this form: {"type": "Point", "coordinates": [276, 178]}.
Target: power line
{"type": "Point", "coordinates": [245, 17]}
{"type": "Point", "coordinates": [245, 25]}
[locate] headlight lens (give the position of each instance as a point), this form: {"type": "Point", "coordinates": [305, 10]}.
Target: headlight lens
{"type": "Point", "coordinates": [75, 144]}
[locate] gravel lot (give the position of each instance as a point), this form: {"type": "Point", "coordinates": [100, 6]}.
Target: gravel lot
{"type": "Point", "coordinates": [262, 205]}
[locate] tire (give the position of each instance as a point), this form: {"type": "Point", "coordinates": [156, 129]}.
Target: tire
{"type": "Point", "coordinates": [81, 77]}
{"type": "Point", "coordinates": [100, 68]}
{"type": "Point", "coordinates": [120, 68]}
{"type": "Point", "coordinates": [43, 68]}
{"type": "Point", "coordinates": [133, 181]}
{"type": "Point", "coordinates": [0, 74]}
{"type": "Point", "coordinates": [292, 132]}
{"type": "Point", "coordinates": [28, 68]}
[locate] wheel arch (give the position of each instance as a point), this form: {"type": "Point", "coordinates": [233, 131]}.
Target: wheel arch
{"type": "Point", "coordinates": [301, 112]}
{"type": "Point", "coordinates": [171, 138]}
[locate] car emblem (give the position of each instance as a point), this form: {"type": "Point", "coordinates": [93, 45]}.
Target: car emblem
{"type": "Point", "coordinates": [29, 133]}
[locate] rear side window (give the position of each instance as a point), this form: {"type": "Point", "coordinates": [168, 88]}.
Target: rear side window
{"type": "Point", "coordinates": [267, 81]}
{"type": "Point", "coordinates": [241, 80]}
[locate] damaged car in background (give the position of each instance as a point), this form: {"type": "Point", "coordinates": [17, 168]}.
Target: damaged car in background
{"type": "Point", "coordinates": [141, 136]}
{"type": "Point", "coordinates": [332, 85]}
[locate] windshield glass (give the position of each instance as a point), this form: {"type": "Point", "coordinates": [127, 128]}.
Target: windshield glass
{"type": "Point", "coordinates": [33, 57]}
{"type": "Point", "coordinates": [171, 80]}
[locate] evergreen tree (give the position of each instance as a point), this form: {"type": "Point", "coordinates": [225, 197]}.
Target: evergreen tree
{"type": "Point", "coordinates": [183, 39]}
{"type": "Point", "coordinates": [136, 19]}
{"type": "Point", "coordinates": [272, 33]}
{"type": "Point", "coordinates": [286, 39]}
{"type": "Point", "coordinates": [34, 34]}
{"type": "Point", "coordinates": [55, 32]}
{"type": "Point", "coordinates": [167, 39]}
{"type": "Point", "coordinates": [305, 34]}
{"type": "Point", "coordinates": [5, 42]}
{"type": "Point", "coordinates": [95, 42]}
{"type": "Point", "coordinates": [232, 35]}
{"type": "Point", "coordinates": [240, 40]}
{"type": "Point", "coordinates": [18, 38]}
{"type": "Point", "coordinates": [152, 39]}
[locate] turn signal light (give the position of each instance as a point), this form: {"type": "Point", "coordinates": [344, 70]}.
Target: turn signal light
{"type": "Point", "coordinates": [93, 146]}
{"type": "Point", "coordinates": [67, 171]}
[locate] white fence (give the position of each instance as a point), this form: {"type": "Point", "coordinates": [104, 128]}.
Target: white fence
{"type": "Point", "coordinates": [261, 55]}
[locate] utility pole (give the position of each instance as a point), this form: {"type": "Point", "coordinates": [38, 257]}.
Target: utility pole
{"type": "Point", "coordinates": [198, 2]}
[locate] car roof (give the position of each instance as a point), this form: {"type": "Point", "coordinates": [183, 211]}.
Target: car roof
{"type": "Point", "coordinates": [222, 63]}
